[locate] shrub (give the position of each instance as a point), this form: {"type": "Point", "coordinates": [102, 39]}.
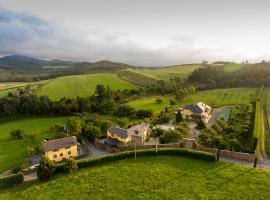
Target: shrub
{"type": "Point", "coordinates": [46, 169]}
{"type": "Point", "coordinates": [17, 134]}
{"type": "Point", "coordinates": [159, 101]}
{"type": "Point", "coordinates": [200, 125]}
{"type": "Point", "coordinates": [124, 111]}
{"type": "Point", "coordinates": [148, 152]}
{"type": "Point", "coordinates": [70, 165]}
{"type": "Point", "coordinates": [11, 180]}
{"type": "Point", "coordinates": [144, 114]}
{"type": "Point", "coordinates": [172, 102]}
{"type": "Point", "coordinates": [92, 133]}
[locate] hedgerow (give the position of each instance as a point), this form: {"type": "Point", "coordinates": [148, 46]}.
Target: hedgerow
{"type": "Point", "coordinates": [141, 153]}
{"type": "Point", "coordinates": [11, 180]}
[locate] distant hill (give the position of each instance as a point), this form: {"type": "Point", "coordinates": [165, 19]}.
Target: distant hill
{"type": "Point", "coordinates": [18, 62]}
{"type": "Point", "coordinates": [101, 65]}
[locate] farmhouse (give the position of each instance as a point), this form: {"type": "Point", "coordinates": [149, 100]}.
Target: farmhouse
{"type": "Point", "coordinates": [123, 137]}
{"type": "Point", "coordinates": [197, 111]}
{"type": "Point", "coordinates": [61, 149]}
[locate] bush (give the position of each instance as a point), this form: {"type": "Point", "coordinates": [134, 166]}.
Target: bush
{"type": "Point", "coordinates": [125, 111]}
{"type": "Point", "coordinates": [172, 102]}
{"type": "Point", "coordinates": [147, 152]}
{"type": "Point", "coordinates": [92, 133]}
{"type": "Point", "coordinates": [17, 134]}
{"type": "Point", "coordinates": [70, 165]}
{"type": "Point", "coordinates": [159, 101]}
{"type": "Point", "coordinates": [11, 180]}
{"type": "Point", "coordinates": [144, 114]}
{"type": "Point", "coordinates": [140, 153]}
{"type": "Point", "coordinates": [46, 169]}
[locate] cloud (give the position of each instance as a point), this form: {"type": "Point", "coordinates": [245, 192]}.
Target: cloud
{"type": "Point", "coordinates": [22, 33]}
{"type": "Point", "coordinates": [19, 28]}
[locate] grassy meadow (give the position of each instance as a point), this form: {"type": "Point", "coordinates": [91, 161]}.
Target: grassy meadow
{"type": "Point", "coordinates": [165, 177]}
{"type": "Point", "coordinates": [166, 73]}
{"type": "Point", "coordinates": [12, 152]}
{"type": "Point", "coordinates": [81, 85]}
{"type": "Point", "coordinates": [218, 97]}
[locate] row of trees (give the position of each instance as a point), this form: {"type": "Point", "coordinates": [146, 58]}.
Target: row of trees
{"type": "Point", "coordinates": [252, 75]}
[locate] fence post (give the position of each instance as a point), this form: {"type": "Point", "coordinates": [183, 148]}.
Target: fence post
{"type": "Point", "coordinates": [255, 162]}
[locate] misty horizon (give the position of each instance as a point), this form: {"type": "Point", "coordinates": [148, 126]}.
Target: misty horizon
{"type": "Point", "coordinates": [152, 33]}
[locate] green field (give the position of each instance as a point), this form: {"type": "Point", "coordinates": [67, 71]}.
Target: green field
{"type": "Point", "coordinates": [81, 85]}
{"type": "Point", "coordinates": [136, 78]}
{"type": "Point", "coordinates": [55, 67]}
{"type": "Point", "coordinates": [166, 73]}
{"type": "Point", "coordinates": [12, 152]}
{"type": "Point", "coordinates": [165, 177]}
{"type": "Point", "coordinates": [232, 67]}
{"type": "Point", "coordinates": [218, 97]}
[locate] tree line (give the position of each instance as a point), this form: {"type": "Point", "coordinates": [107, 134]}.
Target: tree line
{"type": "Point", "coordinates": [251, 75]}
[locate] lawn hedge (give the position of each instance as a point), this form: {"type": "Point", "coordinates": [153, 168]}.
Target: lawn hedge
{"type": "Point", "coordinates": [141, 153]}
{"type": "Point", "coordinates": [11, 180]}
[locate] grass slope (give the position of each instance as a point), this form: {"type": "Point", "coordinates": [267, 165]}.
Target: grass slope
{"type": "Point", "coordinates": [156, 178]}
{"type": "Point", "coordinates": [82, 85]}
{"type": "Point", "coordinates": [136, 78]}
{"type": "Point", "coordinates": [232, 67]}
{"type": "Point", "coordinates": [218, 97]}
{"type": "Point", "coordinates": [12, 152]}
{"type": "Point", "coordinates": [166, 73]}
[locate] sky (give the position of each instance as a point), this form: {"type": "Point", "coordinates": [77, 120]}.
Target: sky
{"type": "Point", "coordinates": [141, 32]}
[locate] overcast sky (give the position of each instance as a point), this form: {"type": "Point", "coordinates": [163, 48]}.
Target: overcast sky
{"type": "Point", "coordinates": [139, 32]}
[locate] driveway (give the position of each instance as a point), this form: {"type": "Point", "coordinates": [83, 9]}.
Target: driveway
{"type": "Point", "coordinates": [93, 151]}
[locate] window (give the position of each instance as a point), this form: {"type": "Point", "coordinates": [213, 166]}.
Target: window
{"type": "Point", "coordinates": [69, 152]}
{"type": "Point", "coordinates": [61, 154]}
{"type": "Point", "coordinates": [54, 156]}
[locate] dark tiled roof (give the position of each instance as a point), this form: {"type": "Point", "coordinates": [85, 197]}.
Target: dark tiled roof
{"type": "Point", "coordinates": [194, 108]}
{"type": "Point", "coordinates": [119, 131]}
{"type": "Point", "coordinates": [56, 144]}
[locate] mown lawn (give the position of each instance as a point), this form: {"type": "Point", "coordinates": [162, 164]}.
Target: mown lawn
{"type": "Point", "coordinates": [81, 85]}
{"type": "Point", "coordinates": [219, 97]}
{"type": "Point", "coordinates": [155, 178]}
{"type": "Point", "coordinates": [12, 152]}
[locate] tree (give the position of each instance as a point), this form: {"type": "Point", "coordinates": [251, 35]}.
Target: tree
{"type": "Point", "coordinates": [172, 102]}
{"type": "Point", "coordinates": [92, 133]}
{"type": "Point", "coordinates": [75, 126]}
{"type": "Point", "coordinates": [70, 165]}
{"type": "Point", "coordinates": [17, 134]}
{"type": "Point", "coordinates": [166, 109]}
{"type": "Point", "coordinates": [157, 132]}
{"type": "Point", "coordinates": [200, 125]}
{"type": "Point", "coordinates": [46, 169]}
{"type": "Point", "coordinates": [178, 117]}
{"type": "Point", "coordinates": [141, 114]}
{"type": "Point", "coordinates": [125, 111]}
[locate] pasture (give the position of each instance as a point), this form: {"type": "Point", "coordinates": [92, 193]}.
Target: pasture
{"type": "Point", "coordinates": [164, 177]}
{"type": "Point", "coordinates": [165, 73]}
{"type": "Point", "coordinates": [81, 85]}
{"type": "Point", "coordinates": [12, 152]}
{"type": "Point", "coordinates": [218, 97]}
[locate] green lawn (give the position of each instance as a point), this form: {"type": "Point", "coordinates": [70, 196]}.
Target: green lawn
{"type": "Point", "coordinates": [12, 152]}
{"type": "Point", "coordinates": [82, 85]}
{"type": "Point", "coordinates": [165, 177]}
{"type": "Point", "coordinates": [218, 97]}
{"type": "Point", "coordinates": [166, 73]}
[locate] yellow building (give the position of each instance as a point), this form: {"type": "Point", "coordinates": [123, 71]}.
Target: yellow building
{"type": "Point", "coordinates": [135, 134]}
{"type": "Point", "coordinates": [61, 149]}
{"type": "Point", "coordinates": [196, 112]}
